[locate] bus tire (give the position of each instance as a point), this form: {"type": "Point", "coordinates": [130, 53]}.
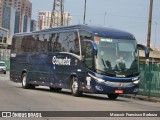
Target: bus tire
{"type": "Point", "coordinates": [75, 86]}
{"type": "Point", "coordinates": [112, 96]}
{"type": "Point", "coordinates": [25, 84]}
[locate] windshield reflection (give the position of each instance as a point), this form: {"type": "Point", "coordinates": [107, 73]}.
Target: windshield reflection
{"type": "Point", "coordinates": [117, 56]}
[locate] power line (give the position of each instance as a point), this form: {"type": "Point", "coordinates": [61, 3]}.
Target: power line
{"type": "Point", "coordinates": [114, 15]}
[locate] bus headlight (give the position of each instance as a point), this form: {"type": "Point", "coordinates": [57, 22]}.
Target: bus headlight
{"type": "Point", "coordinates": [96, 78]}
{"type": "Point", "coordinates": [136, 82]}
{"type": "Point", "coordinates": [99, 79]}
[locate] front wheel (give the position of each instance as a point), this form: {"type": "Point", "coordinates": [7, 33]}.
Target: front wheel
{"type": "Point", "coordinates": [25, 84]}
{"type": "Point", "coordinates": [75, 86]}
{"type": "Point", "coordinates": [112, 96]}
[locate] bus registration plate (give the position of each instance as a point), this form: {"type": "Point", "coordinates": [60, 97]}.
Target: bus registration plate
{"type": "Point", "coordinates": [119, 91]}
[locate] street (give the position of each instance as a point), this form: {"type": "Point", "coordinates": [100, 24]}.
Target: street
{"type": "Point", "coordinates": [15, 98]}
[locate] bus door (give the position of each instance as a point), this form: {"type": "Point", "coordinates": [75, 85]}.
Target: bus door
{"type": "Point", "coordinates": [89, 52]}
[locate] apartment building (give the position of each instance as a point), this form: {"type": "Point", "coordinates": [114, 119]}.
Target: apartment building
{"type": "Point", "coordinates": [1, 11]}
{"type": "Point", "coordinates": [15, 15]}
{"type": "Point", "coordinates": [44, 18]}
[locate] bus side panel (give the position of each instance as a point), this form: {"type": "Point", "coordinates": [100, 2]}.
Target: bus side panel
{"type": "Point", "coordinates": [20, 64]}
{"type": "Point", "coordinates": [14, 73]}
{"type": "Point", "coordinates": [62, 66]}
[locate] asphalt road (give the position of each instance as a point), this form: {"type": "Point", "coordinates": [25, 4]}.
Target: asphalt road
{"type": "Point", "coordinates": [15, 98]}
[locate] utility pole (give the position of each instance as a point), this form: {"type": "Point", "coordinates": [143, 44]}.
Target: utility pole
{"type": "Point", "coordinates": [84, 12]}
{"type": "Point", "coordinates": [149, 24]}
{"type": "Point", "coordinates": [57, 13]}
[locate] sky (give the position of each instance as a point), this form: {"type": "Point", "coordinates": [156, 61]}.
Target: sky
{"type": "Point", "coordinates": [127, 15]}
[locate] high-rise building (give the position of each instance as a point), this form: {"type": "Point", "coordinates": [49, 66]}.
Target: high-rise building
{"type": "Point", "coordinates": [24, 12]}
{"type": "Point", "coordinates": [33, 25]}
{"type": "Point", "coordinates": [9, 19]}
{"type": "Point", "coordinates": [1, 11]}
{"type": "Point", "coordinates": [15, 14]}
{"type": "Point", "coordinates": [44, 18]}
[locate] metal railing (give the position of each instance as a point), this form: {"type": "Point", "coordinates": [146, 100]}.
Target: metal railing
{"type": "Point", "coordinates": [150, 80]}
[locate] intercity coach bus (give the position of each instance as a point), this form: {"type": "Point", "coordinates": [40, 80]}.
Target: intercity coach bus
{"type": "Point", "coordinates": [83, 58]}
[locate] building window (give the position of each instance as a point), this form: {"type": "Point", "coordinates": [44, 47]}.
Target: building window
{"type": "Point", "coordinates": [4, 40]}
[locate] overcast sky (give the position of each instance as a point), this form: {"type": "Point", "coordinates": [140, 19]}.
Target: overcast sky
{"type": "Point", "coordinates": [128, 15]}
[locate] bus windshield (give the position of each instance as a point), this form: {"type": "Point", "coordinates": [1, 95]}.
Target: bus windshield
{"type": "Point", "coordinates": [116, 57]}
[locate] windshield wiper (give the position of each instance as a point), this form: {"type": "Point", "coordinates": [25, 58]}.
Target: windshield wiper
{"type": "Point", "coordinates": [105, 72]}
{"type": "Point", "coordinates": [130, 70]}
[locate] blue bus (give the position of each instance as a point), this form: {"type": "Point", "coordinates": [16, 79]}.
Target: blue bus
{"type": "Point", "coordinates": [83, 58]}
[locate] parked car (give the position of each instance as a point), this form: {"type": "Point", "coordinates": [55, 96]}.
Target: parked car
{"type": "Point", "coordinates": [3, 67]}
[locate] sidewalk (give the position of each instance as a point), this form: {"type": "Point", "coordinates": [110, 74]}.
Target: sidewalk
{"type": "Point", "coordinates": [141, 97]}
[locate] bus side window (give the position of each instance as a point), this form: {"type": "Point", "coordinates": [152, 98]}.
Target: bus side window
{"type": "Point", "coordinates": [72, 43]}
{"type": "Point", "coordinates": [18, 43]}
{"type": "Point", "coordinates": [13, 49]}
{"type": "Point", "coordinates": [54, 42]}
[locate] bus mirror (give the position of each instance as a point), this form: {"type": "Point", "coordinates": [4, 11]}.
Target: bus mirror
{"type": "Point", "coordinates": [95, 49]}
{"type": "Point", "coordinates": [146, 50]}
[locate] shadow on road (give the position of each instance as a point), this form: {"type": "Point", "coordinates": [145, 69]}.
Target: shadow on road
{"type": "Point", "coordinates": [68, 92]}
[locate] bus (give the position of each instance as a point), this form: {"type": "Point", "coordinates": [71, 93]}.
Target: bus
{"type": "Point", "coordinates": [82, 58]}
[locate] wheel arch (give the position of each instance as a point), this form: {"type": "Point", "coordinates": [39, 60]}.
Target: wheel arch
{"type": "Point", "coordinates": [71, 76]}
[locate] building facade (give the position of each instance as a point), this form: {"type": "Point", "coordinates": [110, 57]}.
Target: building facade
{"type": "Point", "coordinates": [1, 11]}
{"type": "Point", "coordinates": [15, 15]}
{"type": "Point", "coordinates": [44, 19]}
{"type": "Point", "coordinates": [33, 25]}
{"type": "Point", "coordinates": [4, 51]}
{"type": "Point", "coordinates": [24, 12]}
{"type": "Point", "coordinates": [3, 36]}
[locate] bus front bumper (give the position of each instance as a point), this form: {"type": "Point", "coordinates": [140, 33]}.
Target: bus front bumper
{"type": "Point", "coordinates": [115, 88]}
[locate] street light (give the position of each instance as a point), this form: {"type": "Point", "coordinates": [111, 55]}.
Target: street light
{"type": "Point", "coordinates": [155, 34]}
{"type": "Point", "coordinates": [84, 12]}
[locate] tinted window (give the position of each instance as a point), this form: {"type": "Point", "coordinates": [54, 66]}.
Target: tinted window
{"type": "Point", "coordinates": [16, 44]}
{"type": "Point", "coordinates": [85, 34]}
{"type": "Point", "coordinates": [64, 42]}
{"type": "Point", "coordinates": [26, 43]}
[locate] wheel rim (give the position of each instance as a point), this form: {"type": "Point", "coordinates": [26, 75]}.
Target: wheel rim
{"type": "Point", "coordinates": [24, 81]}
{"type": "Point", "coordinates": [74, 86]}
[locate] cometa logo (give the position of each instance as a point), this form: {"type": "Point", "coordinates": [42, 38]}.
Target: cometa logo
{"type": "Point", "coordinates": [60, 61]}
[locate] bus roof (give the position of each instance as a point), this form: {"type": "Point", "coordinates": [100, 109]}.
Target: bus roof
{"type": "Point", "coordinates": [95, 30]}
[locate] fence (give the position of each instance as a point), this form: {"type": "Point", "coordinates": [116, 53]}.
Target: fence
{"type": "Point", "coordinates": [150, 80]}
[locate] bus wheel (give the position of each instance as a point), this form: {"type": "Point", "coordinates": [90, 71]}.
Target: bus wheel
{"type": "Point", "coordinates": [25, 85]}
{"type": "Point", "coordinates": [55, 89]}
{"type": "Point", "coordinates": [75, 87]}
{"type": "Point", "coordinates": [112, 96]}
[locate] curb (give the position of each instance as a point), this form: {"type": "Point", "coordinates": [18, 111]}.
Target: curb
{"type": "Point", "coordinates": [140, 97]}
